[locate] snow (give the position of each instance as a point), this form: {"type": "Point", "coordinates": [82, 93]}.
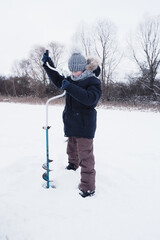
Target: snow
{"type": "Point", "coordinates": [126, 204]}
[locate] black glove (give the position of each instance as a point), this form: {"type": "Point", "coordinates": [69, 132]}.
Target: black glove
{"type": "Point", "coordinates": [65, 84]}
{"type": "Point", "coordinates": [46, 59]}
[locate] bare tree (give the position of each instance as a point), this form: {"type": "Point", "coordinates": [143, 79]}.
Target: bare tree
{"type": "Point", "coordinates": [84, 38]}
{"type": "Point", "coordinates": [21, 76]}
{"type": "Point", "coordinates": [148, 55]}
{"type": "Point", "coordinates": [107, 51]}
{"type": "Point", "coordinates": [21, 68]}
{"type": "Point", "coordinates": [100, 41]}
{"type": "Point", "coordinates": [37, 71]}
{"type": "Point", "coordinates": [31, 72]}
{"type": "Point", "coordinates": [56, 51]}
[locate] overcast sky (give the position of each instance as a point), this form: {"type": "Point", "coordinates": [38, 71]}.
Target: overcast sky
{"type": "Point", "coordinates": [27, 23]}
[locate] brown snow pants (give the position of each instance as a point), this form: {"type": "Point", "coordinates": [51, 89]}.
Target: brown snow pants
{"type": "Point", "coordinates": [80, 153]}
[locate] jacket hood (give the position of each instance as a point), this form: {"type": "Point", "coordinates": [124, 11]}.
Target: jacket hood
{"type": "Point", "coordinates": [92, 64]}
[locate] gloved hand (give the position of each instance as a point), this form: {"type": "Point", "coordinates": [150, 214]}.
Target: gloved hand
{"type": "Point", "coordinates": [46, 58]}
{"type": "Point", "coordinates": [65, 84]}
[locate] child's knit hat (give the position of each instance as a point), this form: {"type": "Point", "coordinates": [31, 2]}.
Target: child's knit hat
{"type": "Point", "coordinates": [77, 62]}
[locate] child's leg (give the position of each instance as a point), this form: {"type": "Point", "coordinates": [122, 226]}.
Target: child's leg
{"type": "Point", "coordinates": [72, 152]}
{"type": "Point", "coordinates": [87, 162]}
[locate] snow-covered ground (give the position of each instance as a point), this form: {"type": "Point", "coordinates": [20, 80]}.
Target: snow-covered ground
{"type": "Point", "coordinates": [127, 201]}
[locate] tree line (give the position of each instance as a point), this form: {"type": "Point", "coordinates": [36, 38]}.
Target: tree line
{"type": "Point", "coordinates": [30, 79]}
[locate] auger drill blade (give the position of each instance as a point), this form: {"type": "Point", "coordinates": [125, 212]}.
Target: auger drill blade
{"type": "Point", "coordinates": [44, 166]}
{"type": "Point", "coordinates": [45, 177]}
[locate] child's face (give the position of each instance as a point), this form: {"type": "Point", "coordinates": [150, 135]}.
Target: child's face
{"type": "Point", "coordinates": [77, 74]}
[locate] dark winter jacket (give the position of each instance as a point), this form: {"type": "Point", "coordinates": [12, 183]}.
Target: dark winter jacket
{"type": "Point", "coordinates": [79, 115]}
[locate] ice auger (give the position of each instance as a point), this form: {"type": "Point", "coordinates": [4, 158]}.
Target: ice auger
{"type": "Point", "coordinates": [46, 128]}
{"type": "Point", "coordinates": [45, 166]}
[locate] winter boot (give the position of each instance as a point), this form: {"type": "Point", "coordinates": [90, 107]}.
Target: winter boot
{"type": "Point", "coordinates": [71, 166]}
{"type": "Point", "coordinates": [87, 194]}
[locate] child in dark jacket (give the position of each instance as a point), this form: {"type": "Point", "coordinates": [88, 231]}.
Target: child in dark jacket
{"type": "Point", "coordinates": [83, 91]}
